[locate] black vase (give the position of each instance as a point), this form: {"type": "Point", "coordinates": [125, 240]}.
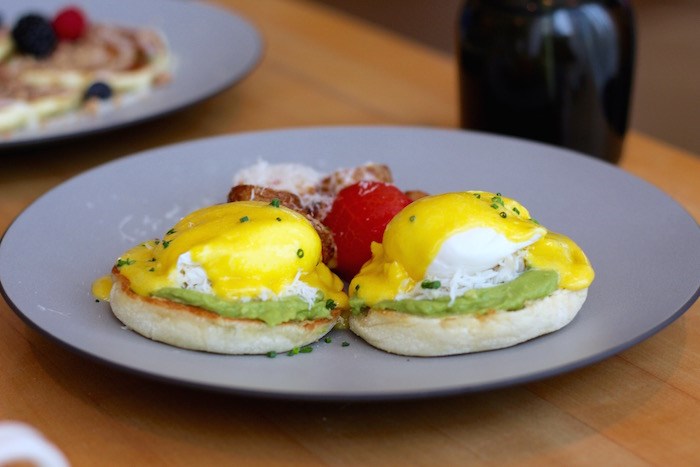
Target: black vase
{"type": "Point", "coordinates": [557, 71]}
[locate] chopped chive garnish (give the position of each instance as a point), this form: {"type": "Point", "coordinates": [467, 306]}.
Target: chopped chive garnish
{"type": "Point", "coordinates": [271, 354]}
{"type": "Point", "coordinates": [498, 194]}
{"type": "Point", "coordinates": [292, 352]}
{"type": "Point", "coordinates": [166, 243]}
{"type": "Point", "coordinates": [156, 241]}
{"type": "Point", "coordinates": [535, 221]}
{"type": "Point", "coordinates": [345, 343]}
{"type": "Point", "coordinates": [244, 219]}
{"type": "Point", "coordinates": [503, 214]}
{"type": "Point", "coordinates": [300, 253]}
{"type": "Point", "coordinates": [477, 195]}
{"type": "Point", "coordinates": [330, 304]}
{"type": "Point", "coordinates": [306, 349]}
{"type": "Point", "coordinates": [516, 210]}
{"type": "Point", "coordinates": [430, 284]}
{"type": "Point", "coordinates": [125, 262]}
{"type": "Point", "coordinates": [170, 232]}
{"type": "Point", "coordinates": [278, 219]}
{"type": "Point", "coordinates": [327, 340]}
{"type": "Point", "coordinates": [275, 202]}
{"type": "Point", "coordinates": [494, 205]}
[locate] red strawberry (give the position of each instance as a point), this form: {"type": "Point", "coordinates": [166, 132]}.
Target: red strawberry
{"type": "Point", "coordinates": [358, 217]}
{"type": "Point", "coordinates": [70, 23]}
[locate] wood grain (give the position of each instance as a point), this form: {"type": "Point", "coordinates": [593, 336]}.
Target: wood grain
{"type": "Point", "coordinates": [641, 407]}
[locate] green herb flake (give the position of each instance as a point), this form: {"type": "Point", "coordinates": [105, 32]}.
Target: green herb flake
{"type": "Point", "coordinates": [271, 354]}
{"type": "Point", "coordinates": [156, 241]}
{"type": "Point", "coordinates": [516, 210]}
{"type": "Point", "coordinates": [306, 349]}
{"type": "Point", "coordinates": [477, 195]}
{"type": "Point", "coordinates": [503, 214]}
{"type": "Point", "coordinates": [293, 352]}
{"type": "Point", "coordinates": [535, 221]}
{"type": "Point", "coordinates": [152, 269]}
{"type": "Point", "coordinates": [330, 304]}
{"type": "Point", "coordinates": [412, 218]}
{"type": "Point", "coordinates": [430, 284]}
{"type": "Point", "coordinates": [244, 219]}
{"type": "Point", "coordinates": [300, 253]}
{"type": "Point", "coordinates": [345, 343]}
{"type": "Point", "coordinates": [166, 244]}
{"type": "Point", "coordinates": [494, 205]}
{"type": "Point", "coordinates": [327, 340]}
{"type": "Point", "coordinates": [170, 232]}
{"type": "Point", "coordinates": [498, 194]}
{"type": "Point", "coordinates": [357, 287]}
{"type": "Point", "coordinates": [125, 262]}
{"type": "Point", "coordinates": [278, 219]}
{"type": "Point", "coordinates": [275, 202]}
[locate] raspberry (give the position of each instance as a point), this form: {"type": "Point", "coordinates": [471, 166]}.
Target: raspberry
{"type": "Point", "coordinates": [34, 35]}
{"type": "Point", "coordinates": [70, 23]}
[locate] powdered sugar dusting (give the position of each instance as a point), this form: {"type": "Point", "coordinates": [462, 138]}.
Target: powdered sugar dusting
{"type": "Point", "coordinates": [294, 178]}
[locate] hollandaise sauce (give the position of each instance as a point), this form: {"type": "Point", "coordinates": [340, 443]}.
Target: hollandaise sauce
{"type": "Point", "coordinates": [102, 287]}
{"type": "Point", "coordinates": [224, 256]}
{"type": "Point", "coordinates": [483, 244]}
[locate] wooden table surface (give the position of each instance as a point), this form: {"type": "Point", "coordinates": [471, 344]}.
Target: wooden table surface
{"type": "Point", "coordinates": [641, 407]}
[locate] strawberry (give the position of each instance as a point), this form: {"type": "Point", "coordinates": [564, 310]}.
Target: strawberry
{"type": "Point", "coordinates": [70, 23]}
{"type": "Point", "coordinates": [358, 217]}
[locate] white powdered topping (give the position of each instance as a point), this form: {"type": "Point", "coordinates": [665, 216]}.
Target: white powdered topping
{"type": "Point", "coordinates": [298, 179]}
{"type": "Point", "coordinates": [320, 203]}
{"type": "Point", "coordinates": [295, 178]}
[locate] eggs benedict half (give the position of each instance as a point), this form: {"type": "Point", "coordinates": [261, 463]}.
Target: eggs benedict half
{"type": "Point", "coordinates": [237, 278]}
{"type": "Point", "coordinates": [466, 272]}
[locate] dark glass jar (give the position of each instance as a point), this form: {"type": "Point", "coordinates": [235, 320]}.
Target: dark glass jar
{"type": "Point", "coordinates": [557, 71]}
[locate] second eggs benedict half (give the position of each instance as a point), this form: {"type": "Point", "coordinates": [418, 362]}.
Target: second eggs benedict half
{"type": "Point", "coordinates": [466, 272]}
{"type": "Point", "coordinates": [238, 278]}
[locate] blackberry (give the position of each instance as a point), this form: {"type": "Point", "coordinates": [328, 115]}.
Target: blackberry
{"type": "Point", "coordinates": [34, 35]}
{"type": "Point", "coordinates": [99, 90]}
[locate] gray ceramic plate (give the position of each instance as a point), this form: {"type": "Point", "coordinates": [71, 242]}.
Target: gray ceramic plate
{"type": "Point", "coordinates": [212, 49]}
{"type": "Point", "coordinates": [645, 249]}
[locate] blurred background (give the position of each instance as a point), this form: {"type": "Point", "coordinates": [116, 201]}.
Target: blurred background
{"type": "Point", "coordinates": [666, 94]}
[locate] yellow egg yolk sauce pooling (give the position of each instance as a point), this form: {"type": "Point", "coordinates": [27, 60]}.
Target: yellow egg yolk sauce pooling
{"type": "Point", "coordinates": [414, 238]}
{"type": "Point", "coordinates": [245, 259]}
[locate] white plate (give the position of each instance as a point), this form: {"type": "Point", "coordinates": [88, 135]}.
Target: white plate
{"type": "Point", "coordinates": [211, 47]}
{"type": "Point", "coordinates": [645, 249]}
